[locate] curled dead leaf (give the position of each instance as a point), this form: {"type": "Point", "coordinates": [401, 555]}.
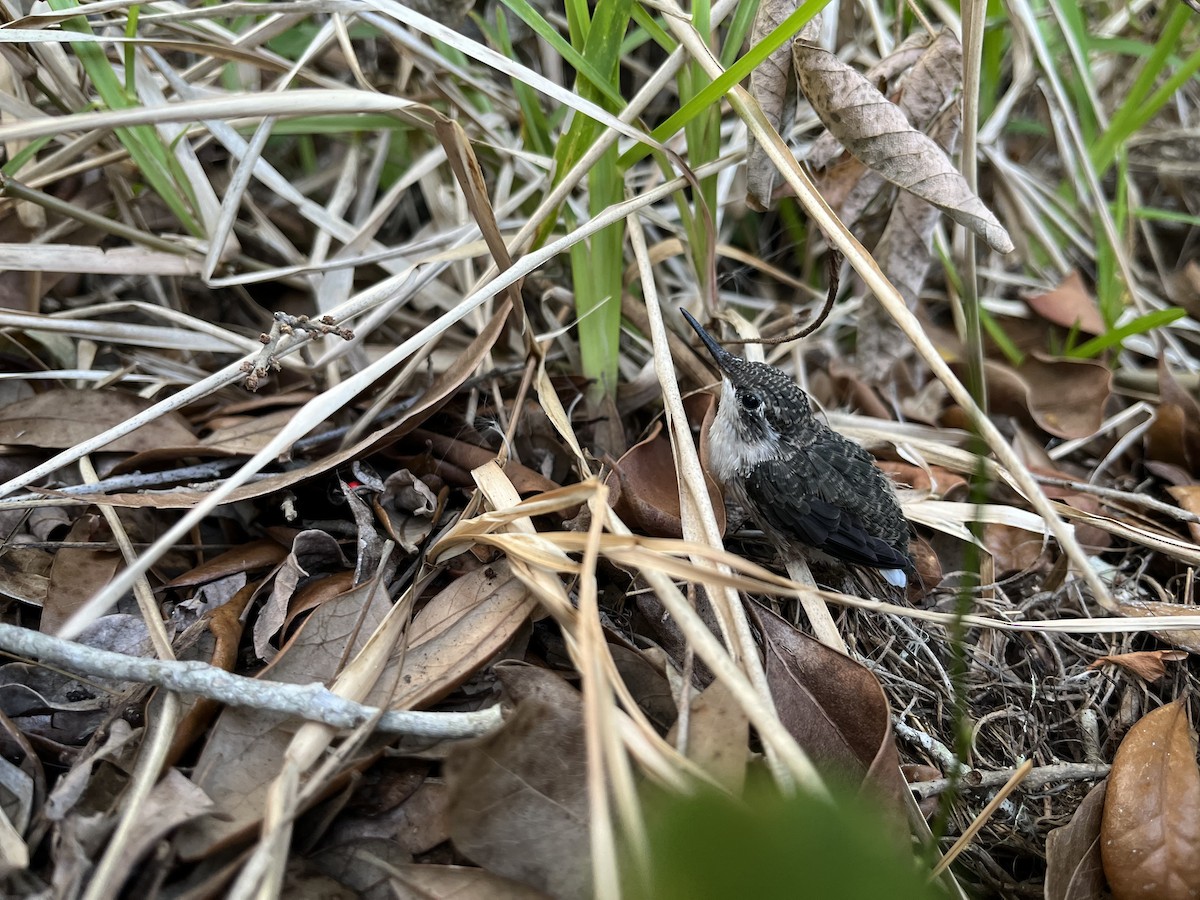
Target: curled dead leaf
{"type": "Point", "coordinates": [834, 708]}
{"type": "Point", "coordinates": [1147, 664]}
{"type": "Point", "coordinates": [644, 488]}
{"type": "Point", "coordinates": [773, 86]}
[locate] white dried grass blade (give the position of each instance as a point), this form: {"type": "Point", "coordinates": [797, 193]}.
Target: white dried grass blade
{"type": "Point", "coordinates": [95, 260]}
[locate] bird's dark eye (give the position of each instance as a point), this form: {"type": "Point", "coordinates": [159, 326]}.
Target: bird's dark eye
{"type": "Point", "coordinates": [751, 401]}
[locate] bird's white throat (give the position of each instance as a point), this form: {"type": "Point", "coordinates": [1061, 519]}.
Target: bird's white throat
{"type": "Point", "coordinates": [733, 449]}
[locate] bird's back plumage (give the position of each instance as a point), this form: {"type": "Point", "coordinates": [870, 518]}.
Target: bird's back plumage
{"type": "Point", "coordinates": [798, 479]}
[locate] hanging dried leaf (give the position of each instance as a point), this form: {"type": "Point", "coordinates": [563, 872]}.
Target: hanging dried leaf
{"type": "Point", "coordinates": [875, 131]}
{"type": "Point", "coordinates": [903, 252]}
{"type": "Point", "coordinates": [827, 148]}
{"type": "Point", "coordinates": [924, 93]}
{"type": "Point", "coordinates": [773, 86]}
{"type": "Point", "coordinates": [1150, 832]}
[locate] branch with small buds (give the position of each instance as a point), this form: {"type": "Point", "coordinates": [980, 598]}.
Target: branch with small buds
{"type": "Point", "coordinates": [283, 328]}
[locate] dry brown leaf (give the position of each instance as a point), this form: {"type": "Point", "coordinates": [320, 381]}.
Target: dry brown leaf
{"type": "Point", "coordinates": [312, 551]}
{"type": "Point", "coordinates": [644, 488]}
{"type": "Point", "coordinates": [460, 630]}
{"type": "Point", "coordinates": [465, 457]}
{"type": "Point", "coordinates": [518, 797]}
{"type": "Point", "coordinates": [1174, 435]}
{"type": "Point", "coordinates": [773, 86]}
{"type": "Point", "coordinates": [1147, 664]}
{"type": "Point", "coordinates": [1183, 287]}
{"type": "Point", "coordinates": [1063, 397]}
{"type": "Point", "coordinates": [172, 801]}
{"type": "Point", "coordinates": [1070, 305]}
{"type": "Point", "coordinates": [903, 251]}
{"type": "Point", "coordinates": [876, 131]}
{"type": "Point", "coordinates": [78, 573]}
{"type": "Point", "coordinates": [647, 685]}
{"type": "Point", "coordinates": [1014, 549]}
{"type": "Point", "coordinates": [421, 882]}
{"type": "Point", "coordinates": [826, 148]}
{"type": "Point", "coordinates": [934, 78]}
{"type": "Point", "coordinates": [1188, 498]}
{"type": "Point", "coordinates": [25, 574]}
{"type": "Point", "coordinates": [1073, 867]}
{"type": "Point", "coordinates": [718, 736]}
{"type": "Point", "coordinates": [834, 708]}
{"type": "Point", "coordinates": [246, 435]}
{"type": "Point", "coordinates": [63, 417]}
{"type": "Point", "coordinates": [1150, 831]}
{"type": "Point", "coordinates": [263, 553]}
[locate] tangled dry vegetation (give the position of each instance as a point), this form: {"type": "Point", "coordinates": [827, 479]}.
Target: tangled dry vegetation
{"type": "Point", "coordinates": [358, 536]}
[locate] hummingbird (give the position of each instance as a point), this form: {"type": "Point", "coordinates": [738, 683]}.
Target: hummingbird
{"type": "Point", "coordinates": [800, 481]}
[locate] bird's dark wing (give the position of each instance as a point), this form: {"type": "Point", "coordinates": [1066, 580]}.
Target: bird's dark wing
{"type": "Point", "coordinates": [812, 501]}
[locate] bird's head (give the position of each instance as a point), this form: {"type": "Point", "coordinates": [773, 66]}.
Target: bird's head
{"type": "Point", "coordinates": [759, 403]}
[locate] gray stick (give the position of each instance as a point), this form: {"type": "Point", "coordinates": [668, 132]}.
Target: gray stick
{"type": "Point", "coordinates": [307, 701]}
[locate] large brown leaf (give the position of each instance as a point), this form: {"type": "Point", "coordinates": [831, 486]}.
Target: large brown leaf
{"type": "Point", "coordinates": [64, 417]}
{"type": "Point", "coordinates": [1150, 832]}
{"type": "Point", "coordinates": [245, 748]}
{"type": "Point", "coordinates": [518, 797]}
{"type": "Point", "coordinates": [644, 488]}
{"type": "Point", "coordinates": [833, 707]}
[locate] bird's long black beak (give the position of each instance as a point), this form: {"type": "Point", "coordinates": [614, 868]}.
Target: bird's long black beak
{"type": "Point", "coordinates": [719, 353]}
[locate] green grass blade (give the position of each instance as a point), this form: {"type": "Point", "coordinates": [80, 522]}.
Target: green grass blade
{"type": "Point", "coordinates": [739, 27]}
{"type": "Point", "coordinates": [735, 73]}
{"type": "Point", "coordinates": [1159, 318]}
{"type": "Point", "coordinates": [581, 62]}
{"type": "Point", "coordinates": [145, 145]}
{"type": "Point", "coordinates": [1140, 104]}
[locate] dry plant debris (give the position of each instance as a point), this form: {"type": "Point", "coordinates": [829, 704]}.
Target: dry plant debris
{"type": "Point", "coordinates": [357, 530]}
